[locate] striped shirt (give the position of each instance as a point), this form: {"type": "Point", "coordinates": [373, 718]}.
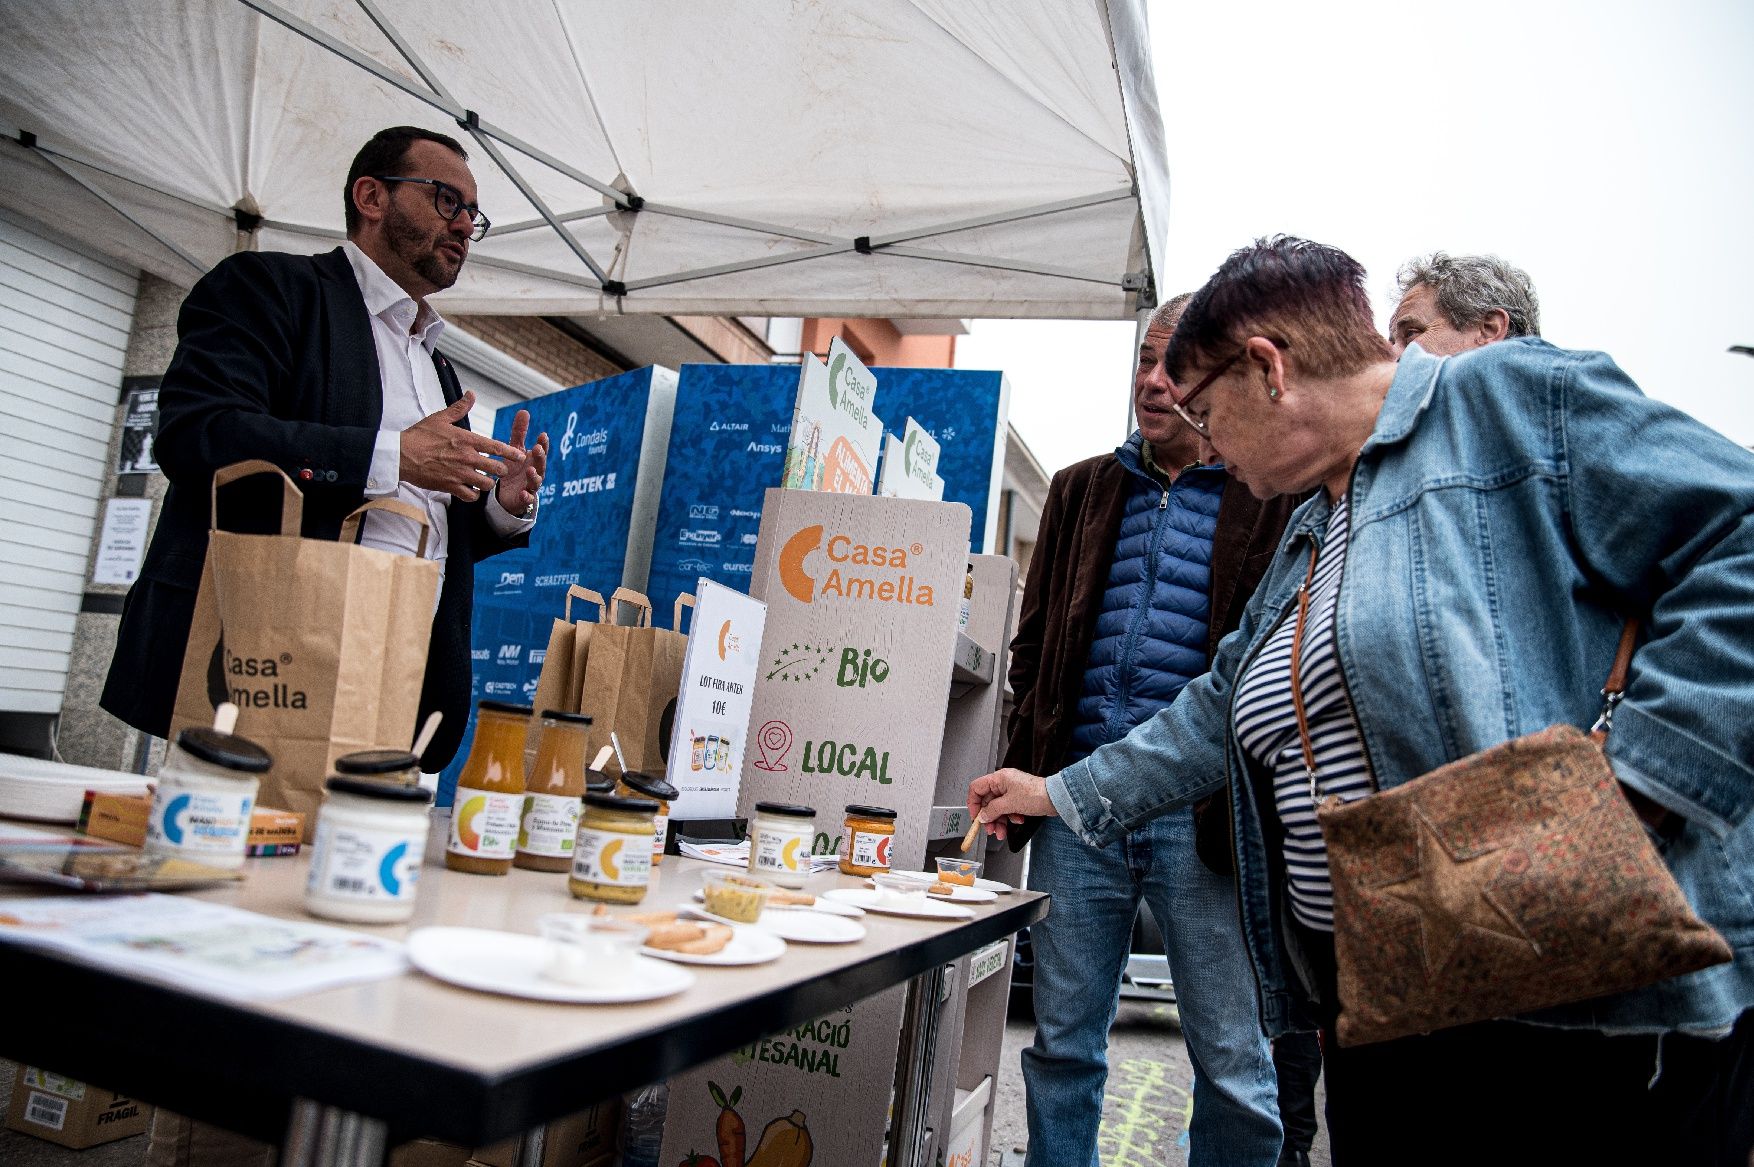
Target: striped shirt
{"type": "Point", "coordinates": [1266, 725]}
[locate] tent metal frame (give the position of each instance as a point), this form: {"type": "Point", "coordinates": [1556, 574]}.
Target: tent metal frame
{"type": "Point", "coordinates": [491, 138]}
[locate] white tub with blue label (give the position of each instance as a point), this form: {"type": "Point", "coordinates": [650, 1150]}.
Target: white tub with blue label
{"type": "Point", "coordinates": [369, 845]}
{"type": "Point", "coordinates": [206, 791]}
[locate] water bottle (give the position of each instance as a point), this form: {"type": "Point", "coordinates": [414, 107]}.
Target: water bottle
{"type": "Point", "coordinates": [642, 1125]}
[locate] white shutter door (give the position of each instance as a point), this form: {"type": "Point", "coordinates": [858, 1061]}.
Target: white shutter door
{"type": "Point", "coordinates": [65, 314]}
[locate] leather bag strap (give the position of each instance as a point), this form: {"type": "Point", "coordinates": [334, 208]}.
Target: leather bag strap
{"type": "Point", "coordinates": [1309, 764]}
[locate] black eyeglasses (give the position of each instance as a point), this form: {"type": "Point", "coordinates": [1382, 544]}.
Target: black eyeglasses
{"type": "Point", "coordinates": [1198, 425]}
{"type": "Point", "coordinates": [447, 200]}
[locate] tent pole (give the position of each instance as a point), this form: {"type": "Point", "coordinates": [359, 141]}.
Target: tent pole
{"type": "Point", "coordinates": [1038, 269]}
{"type": "Point", "coordinates": [316, 35]}
{"type": "Point", "coordinates": [117, 207]}
{"type": "Point", "coordinates": [998, 217]}
{"type": "Point", "coordinates": [741, 265]}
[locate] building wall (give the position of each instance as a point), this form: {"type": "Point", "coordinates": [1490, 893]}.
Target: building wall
{"type": "Point", "coordinates": [542, 346]}
{"type": "Point", "coordinates": [87, 735]}
{"type": "Point", "coordinates": [878, 342]}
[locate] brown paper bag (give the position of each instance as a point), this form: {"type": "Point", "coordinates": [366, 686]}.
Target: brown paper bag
{"type": "Point", "coordinates": [631, 679]}
{"type": "Point", "coordinates": [563, 667]}
{"type": "Point", "coordinates": [321, 645]}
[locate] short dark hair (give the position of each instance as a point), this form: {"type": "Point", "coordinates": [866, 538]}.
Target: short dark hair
{"type": "Point", "coordinates": [1307, 294]}
{"type": "Point", "coordinates": [1468, 287]}
{"type": "Point", "coordinates": [385, 154]}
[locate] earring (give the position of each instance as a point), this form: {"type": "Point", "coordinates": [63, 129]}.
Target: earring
{"type": "Point", "coordinates": [1272, 392]}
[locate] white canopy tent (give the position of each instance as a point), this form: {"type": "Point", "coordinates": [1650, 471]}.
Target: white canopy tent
{"type": "Point", "coordinates": [914, 158]}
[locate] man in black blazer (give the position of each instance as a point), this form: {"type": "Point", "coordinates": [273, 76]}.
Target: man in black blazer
{"type": "Point", "coordinates": [325, 366]}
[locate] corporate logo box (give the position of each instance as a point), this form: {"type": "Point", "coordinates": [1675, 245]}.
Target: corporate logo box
{"type": "Point", "coordinates": [607, 445]}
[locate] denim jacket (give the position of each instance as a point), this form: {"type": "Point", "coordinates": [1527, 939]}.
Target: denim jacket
{"type": "Point", "coordinates": [1511, 507]}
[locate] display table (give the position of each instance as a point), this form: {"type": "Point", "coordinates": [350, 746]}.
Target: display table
{"type": "Point", "coordinates": [422, 1058]}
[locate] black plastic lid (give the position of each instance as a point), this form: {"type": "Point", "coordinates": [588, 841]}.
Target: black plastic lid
{"type": "Point", "coordinates": [569, 718]}
{"type": "Point", "coordinates": [505, 707]}
{"type": "Point", "coordinates": [388, 791]}
{"type": "Point", "coordinates": [871, 812]}
{"type": "Point", "coordinates": [616, 802]}
{"type": "Point", "coordinates": [225, 749]}
{"type": "Point", "coordinates": [803, 812]}
{"type": "Point", "coordinates": [376, 762]}
{"type": "Point", "coordinates": [650, 785]}
{"type": "Point", "coordinates": [597, 782]}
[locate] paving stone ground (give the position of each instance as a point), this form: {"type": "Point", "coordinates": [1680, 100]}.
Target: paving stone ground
{"type": "Point", "coordinates": [1148, 1102]}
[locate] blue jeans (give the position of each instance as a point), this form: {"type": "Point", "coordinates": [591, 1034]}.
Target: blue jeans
{"type": "Point", "coordinates": [1080, 950]}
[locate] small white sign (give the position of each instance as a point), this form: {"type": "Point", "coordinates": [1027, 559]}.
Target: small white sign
{"type": "Point", "coordinates": [835, 435]}
{"type": "Point", "coordinates": [910, 465]}
{"type": "Point", "coordinates": [712, 708]}
{"type": "Point", "coordinates": [122, 544]}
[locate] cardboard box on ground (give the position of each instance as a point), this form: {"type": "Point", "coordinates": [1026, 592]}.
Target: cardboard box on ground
{"type": "Point", "coordinates": [584, 1139]}
{"type": "Point", "coordinates": [121, 818]}
{"type": "Point", "coordinates": [72, 1113]}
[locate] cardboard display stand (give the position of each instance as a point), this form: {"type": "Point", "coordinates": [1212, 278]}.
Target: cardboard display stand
{"type": "Point", "coordinates": [860, 666]}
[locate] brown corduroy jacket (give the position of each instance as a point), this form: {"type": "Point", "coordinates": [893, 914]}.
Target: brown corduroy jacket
{"type": "Point", "coordinates": [1063, 593]}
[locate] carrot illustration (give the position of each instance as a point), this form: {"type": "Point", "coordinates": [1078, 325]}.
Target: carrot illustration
{"type": "Point", "coordinates": [732, 1136]}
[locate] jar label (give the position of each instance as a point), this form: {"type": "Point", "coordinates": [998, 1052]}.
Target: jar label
{"type": "Point", "coordinates": [782, 850]}
{"type": "Point", "coordinates": [870, 849]}
{"type": "Point", "coordinates": [200, 822]}
{"type": "Point", "coordinates": [660, 832]}
{"type": "Point", "coordinates": [551, 822]}
{"type": "Point", "coordinates": [353, 863]}
{"type": "Point", "coordinates": [611, 857]}
{"type": "Point", "coordinates": [484, 824]}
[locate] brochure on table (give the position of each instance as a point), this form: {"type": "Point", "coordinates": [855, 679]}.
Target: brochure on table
{"type": "Point", "coordinates": [607, 445]}
{"type": "Point", "coordinates": [719, 669]}
{"type": "Point", "coordinates": [202, 947]}
{"type": "Point", "coordinates": [728, 445]}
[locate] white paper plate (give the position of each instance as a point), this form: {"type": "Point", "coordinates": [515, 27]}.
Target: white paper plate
{"type": "Point", "coordinates": [869, 899]}
{"type": "Point", "coordinates": [801, 927]}
{"type": "Point", "coordinates": [829, 907]}
{"type": "Point", "coordinates": [749, 945]}
{"type": "Point", "coordinates": [962, 895]}
{"type": "Point", "coordinates": [510, 964]}
{"type": "Point", "coordinates": [981, 882]}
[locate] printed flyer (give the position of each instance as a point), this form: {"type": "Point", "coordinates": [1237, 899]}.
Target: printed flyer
{"type": "Point", "coordinates": [712, 707]}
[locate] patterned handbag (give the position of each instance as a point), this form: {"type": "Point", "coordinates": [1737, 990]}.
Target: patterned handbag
{"type": "Point", "coordinates": [1514, 879]}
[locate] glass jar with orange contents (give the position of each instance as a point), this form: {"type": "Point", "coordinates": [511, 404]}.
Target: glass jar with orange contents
{"type": "Point", "coordinates": [552, 792]}
{"type": "Point", "coordinates": [634, 784]}
{"type": "Point", "coordinates": [869, 832]}
{"type": "Point", "coordinates": [490, 792]}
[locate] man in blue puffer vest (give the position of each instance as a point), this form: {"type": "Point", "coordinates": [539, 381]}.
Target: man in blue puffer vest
{"type": "Point", "coordinates": [1145, 560]}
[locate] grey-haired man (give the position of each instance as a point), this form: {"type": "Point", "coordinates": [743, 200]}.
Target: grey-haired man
{"type": "Point", "coordinates": [1453, 303]}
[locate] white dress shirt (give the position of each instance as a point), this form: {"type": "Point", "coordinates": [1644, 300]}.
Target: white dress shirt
{"type": "Point", "coordinates": [405, 333]}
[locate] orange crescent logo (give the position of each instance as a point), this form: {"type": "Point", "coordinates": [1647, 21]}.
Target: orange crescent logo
{"type": "Point", "coordinates": [792, 574]}
{"type": "Point", "coordinates": [724, 631]}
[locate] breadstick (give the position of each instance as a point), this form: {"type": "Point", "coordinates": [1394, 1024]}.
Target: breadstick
{"type": "Point", "coordinates": [974, 829]}
{"type": "Point", "coordinates": [717, 936]}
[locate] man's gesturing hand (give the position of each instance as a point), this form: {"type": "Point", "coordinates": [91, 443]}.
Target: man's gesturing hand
{"type": "Point", "coordinates": [438, 454]}
{"type": "Point", "coordinates": [519, 485]}
{"type": "Point", "coordinates": [1008, 796]}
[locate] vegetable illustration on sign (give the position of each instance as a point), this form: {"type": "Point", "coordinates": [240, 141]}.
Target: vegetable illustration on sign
{"type": "Point", "coordinates": [784, 1142]}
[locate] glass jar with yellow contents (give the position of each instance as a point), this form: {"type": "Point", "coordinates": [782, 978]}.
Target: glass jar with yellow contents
{"type": "Point", "coordinates": [612, 855]}
{"type": "Point", "coordinates": [869, 832]}
{"type": "Point", "coordinates": [634, 784]}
